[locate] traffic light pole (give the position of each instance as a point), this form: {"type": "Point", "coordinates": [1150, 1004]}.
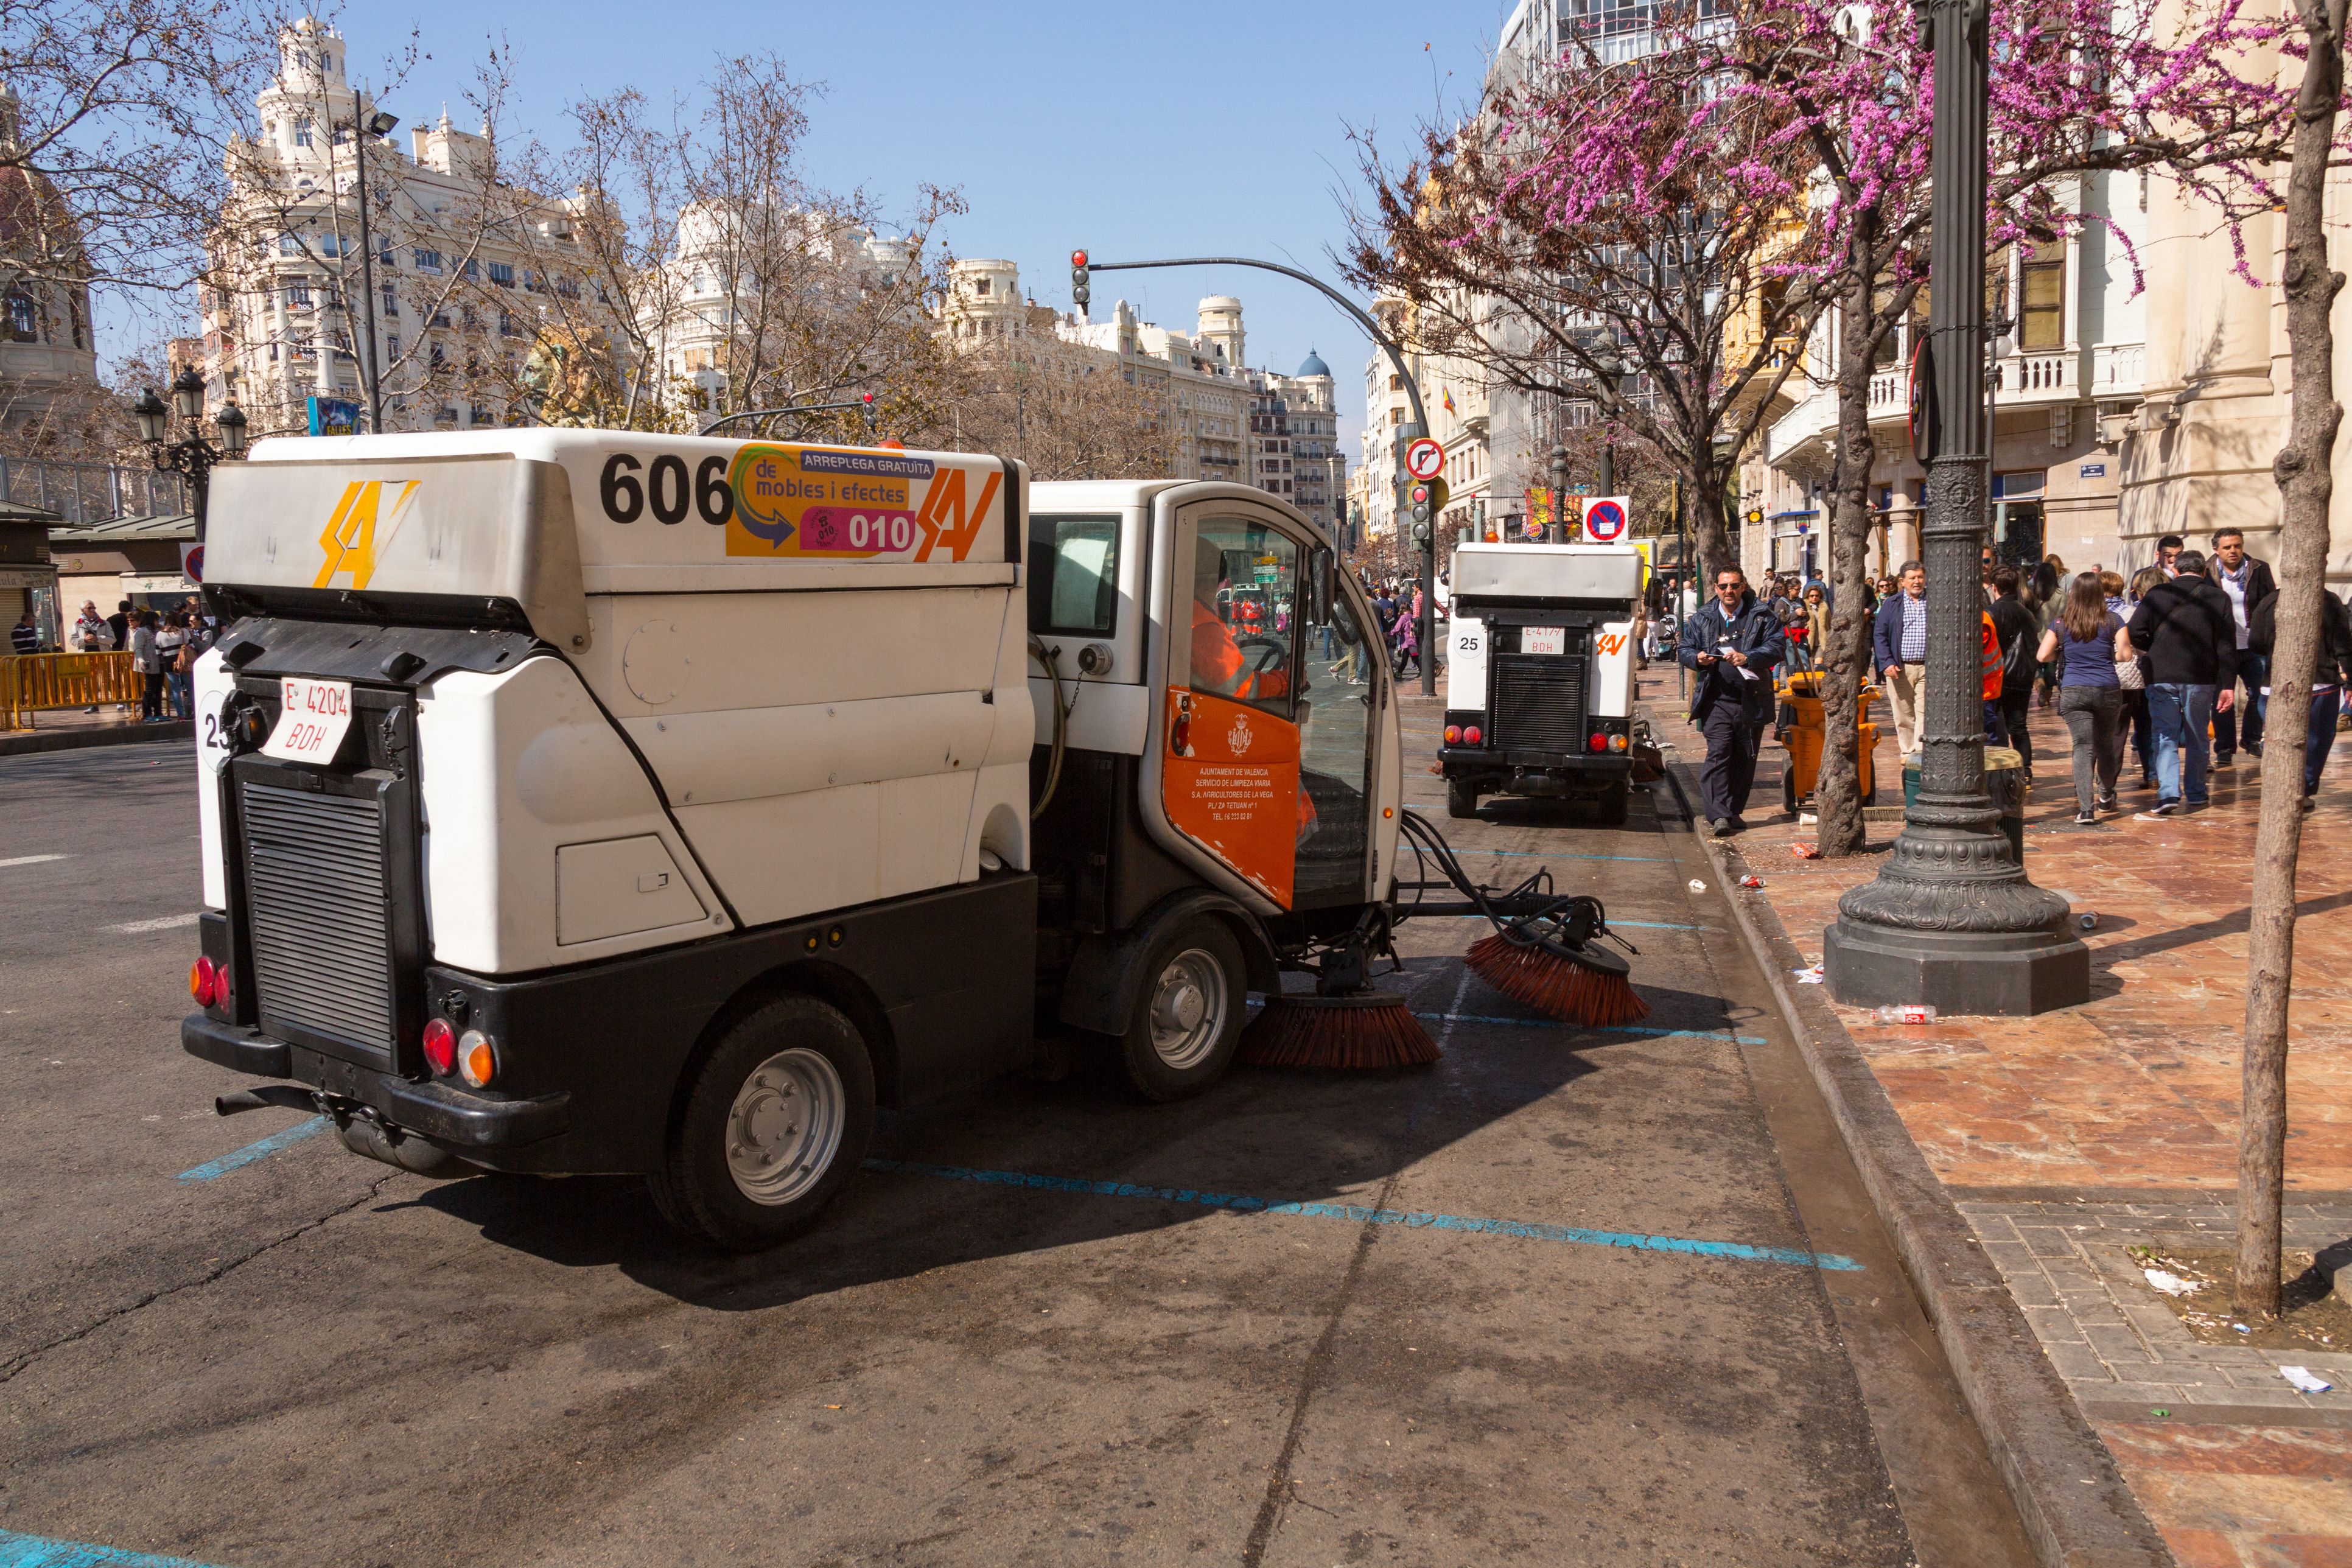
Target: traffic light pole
{"type": "Point", "coordinates": [1424, 530]}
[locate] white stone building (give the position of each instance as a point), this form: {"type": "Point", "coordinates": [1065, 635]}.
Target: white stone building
{"type": "Point", "coordinates": [1295, 439]}
{"type": "Point", "coordinates": [462, 279]}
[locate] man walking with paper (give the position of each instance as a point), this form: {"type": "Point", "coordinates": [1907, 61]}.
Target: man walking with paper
{"type": "Point", "coordinates": [1733, 644]}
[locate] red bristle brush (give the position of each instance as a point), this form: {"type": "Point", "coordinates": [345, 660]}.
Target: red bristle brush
{"type": "Point", "coordinates": [1593, 990]}
{"type": "Point", "coordinates": [1353, 1029]}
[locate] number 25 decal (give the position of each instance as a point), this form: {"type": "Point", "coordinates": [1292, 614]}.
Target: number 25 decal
{"type": "Point", "coordinates": [666, 489]}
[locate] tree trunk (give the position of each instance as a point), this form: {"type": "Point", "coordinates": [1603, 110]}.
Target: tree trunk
{"type": "Point", "coordinates": [2305, 483]}
{"type": "Point", "coordinates": [1710, 530]}
{"type": "Point", "coordinates": [1837, 789]}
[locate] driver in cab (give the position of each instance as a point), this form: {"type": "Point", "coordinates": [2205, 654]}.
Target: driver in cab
{"type": "Point", "coordinates": [1219, 665]}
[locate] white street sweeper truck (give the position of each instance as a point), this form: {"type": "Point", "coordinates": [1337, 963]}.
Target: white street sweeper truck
{"type": "Point", "coordinates": [1539, 675]}
{"type": "Point", "coordinates": [592, 801]}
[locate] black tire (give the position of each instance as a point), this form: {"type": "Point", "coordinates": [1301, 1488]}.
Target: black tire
{"type": "Point", "coordinates": [1609, 807]}
{"type": "Point", "coordinates": [1157, 1068]}
{"type": "Point", "coordinates": [698, 1189]}
{"type": "Point", "coordinates": [1461, 798]}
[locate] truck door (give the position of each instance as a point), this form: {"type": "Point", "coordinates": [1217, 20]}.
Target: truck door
{"type": "Point", "coordinates": [1267, 738]}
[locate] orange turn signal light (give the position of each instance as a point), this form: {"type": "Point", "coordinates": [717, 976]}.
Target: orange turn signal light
{"type": "Point", "coordinates": [478, 1060]}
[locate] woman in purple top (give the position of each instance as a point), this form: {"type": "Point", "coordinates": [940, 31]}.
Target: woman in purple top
{"type": "Point", "coordinates": [2086, 642]}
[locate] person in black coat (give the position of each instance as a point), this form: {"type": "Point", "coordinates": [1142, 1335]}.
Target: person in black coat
{"type": "Point", "coordinates": [1733, 643]}
{"type": "Point", "coordinates": [2185, 627]}
{"type": "Point", "coordinates": [2328, 676]}
{"type": "Point", "coordinates": [2246, 583]}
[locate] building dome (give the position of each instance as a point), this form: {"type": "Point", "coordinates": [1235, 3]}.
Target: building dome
{"type": "Point", "coordinates": [1314, 365]}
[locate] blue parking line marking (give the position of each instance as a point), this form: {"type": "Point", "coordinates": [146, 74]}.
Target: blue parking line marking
{"type": "Point", "coordinates": [1526, 1230]}
{"type": "Point", "coordinates": [246, 1156]}
{"type": "Point", "coordinates": [1583, 1029]}
{"type": "Point", "coordinates": [33, 1551]}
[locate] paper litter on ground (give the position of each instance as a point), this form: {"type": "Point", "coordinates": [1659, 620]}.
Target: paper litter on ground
{"type": "Point", "coordinates": [2302, 1377]}
{"type": "Point", "coordinates": [1812, 976]}
{"type": "Point", "coordinates": [1697, 886]}
{"type": "Point", "coordinates": [2171, 1284]}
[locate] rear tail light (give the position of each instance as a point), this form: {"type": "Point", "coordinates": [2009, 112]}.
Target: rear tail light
{"type": "Point", "coordinates": [205, 983]}
{"type": "Point", "coordinates": [1453, 734]}
{"type": "Point", "coordinates": [477, 1060]}
{"type": "Point", "coordinates": [1600, 742]}
{"type": "Point", "coordinates": [1471, 736]}
{"type": "Point", "coordinates": [440, 1048]}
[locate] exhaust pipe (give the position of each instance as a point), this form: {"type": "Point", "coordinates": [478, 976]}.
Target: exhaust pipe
{"type": "Point", "coordinates": [281, 1096]}
{"type": "Point", "coordinates": [362, 1128]}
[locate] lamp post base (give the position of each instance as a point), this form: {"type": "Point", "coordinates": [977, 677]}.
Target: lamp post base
{"type": "Point", "coordinates": [1995, 973]}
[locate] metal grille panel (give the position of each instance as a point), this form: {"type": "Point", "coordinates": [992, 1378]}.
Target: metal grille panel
{"type": "Point", "coordinates": [1538, 702]}
{"type": "Point", "coordinates": [321, 918]}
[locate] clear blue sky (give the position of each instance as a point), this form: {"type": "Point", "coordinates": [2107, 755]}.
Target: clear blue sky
{"type": "Point", "coordinates": [1135, 131]}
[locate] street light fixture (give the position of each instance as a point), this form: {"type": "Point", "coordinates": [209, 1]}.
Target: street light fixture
{"type": "Point", "coordinates": [193, 455]}
{"type": "Point", "coordinates": [374, 123]}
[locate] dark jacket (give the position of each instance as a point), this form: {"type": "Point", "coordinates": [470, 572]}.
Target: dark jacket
{"type": "Point", "coordinates": [2186, 629]}
{"type": "Point", "coordinates": [1755, 631]}
{"type": "Point", "coordinates": [2260, 585]}
{"type": "Point", "coordinates": [2020, 639]}
{"type": "Point", "coordinates": [1887, 629]}
{"type": "Point", "coordinates": [2334, 663]}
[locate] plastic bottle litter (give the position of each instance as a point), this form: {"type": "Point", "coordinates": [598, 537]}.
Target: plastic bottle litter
{"type": "Point", "coordinates": [2305, 1379]}
{"type": "Point", "coordinates": [1908, 1013]}
{"type": "Point", "coordinates": [2088, 920]}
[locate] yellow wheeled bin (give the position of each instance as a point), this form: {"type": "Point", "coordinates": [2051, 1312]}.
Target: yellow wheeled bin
{"type": "Point", "coordinates": [1801, 689]}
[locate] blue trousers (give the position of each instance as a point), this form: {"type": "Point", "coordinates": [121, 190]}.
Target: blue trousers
{"type": "Point", "coordinates": [2322, 739]}
{"type": "Point", "coordinates": [2243, 722]}
{"type": "Point", "coordinates": [2177, 716]}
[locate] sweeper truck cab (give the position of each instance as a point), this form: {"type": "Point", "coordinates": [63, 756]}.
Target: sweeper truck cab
{"type": "Point", "coordinates": [591, 801]}
{"type": "Point", "coordinates": [1539, 680]}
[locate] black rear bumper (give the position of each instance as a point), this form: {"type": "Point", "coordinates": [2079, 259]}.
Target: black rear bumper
{"type": "Point", "coordinates": [461, 1121]}
{"type": "Point", "coordinates": [1534, 773]}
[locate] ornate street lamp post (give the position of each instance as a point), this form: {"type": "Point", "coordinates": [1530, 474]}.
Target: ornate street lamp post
{"type": "Point", "coordinates": [191, 455]}
{"type": "Point", "coordinates": [1952, 919]}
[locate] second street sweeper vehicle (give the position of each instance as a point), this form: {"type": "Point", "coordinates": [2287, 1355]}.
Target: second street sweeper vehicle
{"type": "Point", "coordinates": [582, 801]}
{"type": "Point", "coordinates": [1539, 675]}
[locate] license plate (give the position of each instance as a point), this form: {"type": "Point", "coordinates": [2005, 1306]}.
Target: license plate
{"type": "Point", "coordinates": [312, 716]}
{"type": "Point", "coordinates": [1543, 639]}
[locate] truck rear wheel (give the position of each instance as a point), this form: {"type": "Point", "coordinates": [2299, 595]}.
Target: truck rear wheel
{"type": "Point", "coordinates": [1188, 1012]}
{"type": "Point", "coordinates": [1461, 798]}
{"type": "Point", "coordinates": [777, 1118]}
{"type": "Point", "coordinates": [1609, 807]}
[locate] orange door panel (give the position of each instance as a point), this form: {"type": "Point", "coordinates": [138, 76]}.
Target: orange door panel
{"type": "Point", "coordinates": [1230, 784]}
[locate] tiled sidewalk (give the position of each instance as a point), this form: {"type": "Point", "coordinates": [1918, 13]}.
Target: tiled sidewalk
{"type": "Point", "coordinates": [2068, 1138]}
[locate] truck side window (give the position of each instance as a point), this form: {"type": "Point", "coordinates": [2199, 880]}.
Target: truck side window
{"type": "Point", "coordinates": [1074, 575]}
{"type": "Point", "coordinates": [1244, 614]}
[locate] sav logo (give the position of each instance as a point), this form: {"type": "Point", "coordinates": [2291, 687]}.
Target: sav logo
{"type": "Point", "coordinates": [1610, 644]}
{"type": "Point", "coordinates": [361, 523]}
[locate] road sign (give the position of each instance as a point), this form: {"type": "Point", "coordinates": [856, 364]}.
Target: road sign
{"type": "Point", "coordinates": [1423, 459]}
{"type": "Point", "coordinates": [1604, 518]}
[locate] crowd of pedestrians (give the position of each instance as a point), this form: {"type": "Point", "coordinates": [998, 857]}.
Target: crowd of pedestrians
{"type": "Point", "coordinates": [163, 645]}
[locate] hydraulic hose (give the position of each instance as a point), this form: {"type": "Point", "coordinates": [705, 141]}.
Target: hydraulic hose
{"type": "Point", "coordinates": [1061, 727]}
{"type": "Point", "coordinates": [1531, 915]}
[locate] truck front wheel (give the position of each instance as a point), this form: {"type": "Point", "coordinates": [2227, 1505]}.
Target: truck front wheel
{"type": "Point", "coordinates": [1188, 1012]}
{"type": "Point", "coordinates": [777, 1118]}
{"type": "Point", "coordinates": [1461, 798]}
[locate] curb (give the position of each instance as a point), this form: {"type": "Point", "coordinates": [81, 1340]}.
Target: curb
{"type": "Point", "coordinates": [2073, 1503]}
{"type": "Point", "coordinates": [26, 743]}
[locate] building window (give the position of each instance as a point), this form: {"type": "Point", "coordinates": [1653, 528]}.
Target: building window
{"type": "Point", "coordinates": [390, 301]}
{"type": "Point", "coordinates": [473, 270]}
{"type": "Point", "coordinates": [298, 296]}
{"type": "Point", "coordinates": [391, 346]}
{"type": "Point", "coordinates": [303, 132]}
{"type": "Point", "coordinates": [507, 326]}
{"type": "Point", "coordinates": [428, 261]}
{"type": "Point", "coordinates": [2041, 297]}
{"type": "Point", "coordinates": [502, 274]}
{"type": "Point", "coordinates": [24, 318]}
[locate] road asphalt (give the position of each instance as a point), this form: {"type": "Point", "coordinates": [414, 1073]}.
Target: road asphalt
{"type": "Point", "coordinates": [1693, 1345]}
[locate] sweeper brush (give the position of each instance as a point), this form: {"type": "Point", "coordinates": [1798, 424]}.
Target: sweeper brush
{"type": "Point", "coordinates": [1362, 1029]}
{"type": "Point", "coordinates": [1545, 951]}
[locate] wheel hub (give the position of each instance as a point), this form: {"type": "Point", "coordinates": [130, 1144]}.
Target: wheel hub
{"type": "Point", "coordinates": [785, 1126]}
{"type": "Point", "coordinates": [1188, 1007]}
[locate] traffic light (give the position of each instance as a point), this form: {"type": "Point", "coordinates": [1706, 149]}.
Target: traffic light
{"type": "Point", "coordinates": [1081, 284]}
{"type": "Point", "coordinates": [1419, 495]}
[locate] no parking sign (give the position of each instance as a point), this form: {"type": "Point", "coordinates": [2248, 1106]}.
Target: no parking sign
{"type": "Point", "coordinates": [1604, 518]}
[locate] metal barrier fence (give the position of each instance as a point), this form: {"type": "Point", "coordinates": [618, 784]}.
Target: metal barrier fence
{"type": "Point", "coordinates": [30, 682]}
